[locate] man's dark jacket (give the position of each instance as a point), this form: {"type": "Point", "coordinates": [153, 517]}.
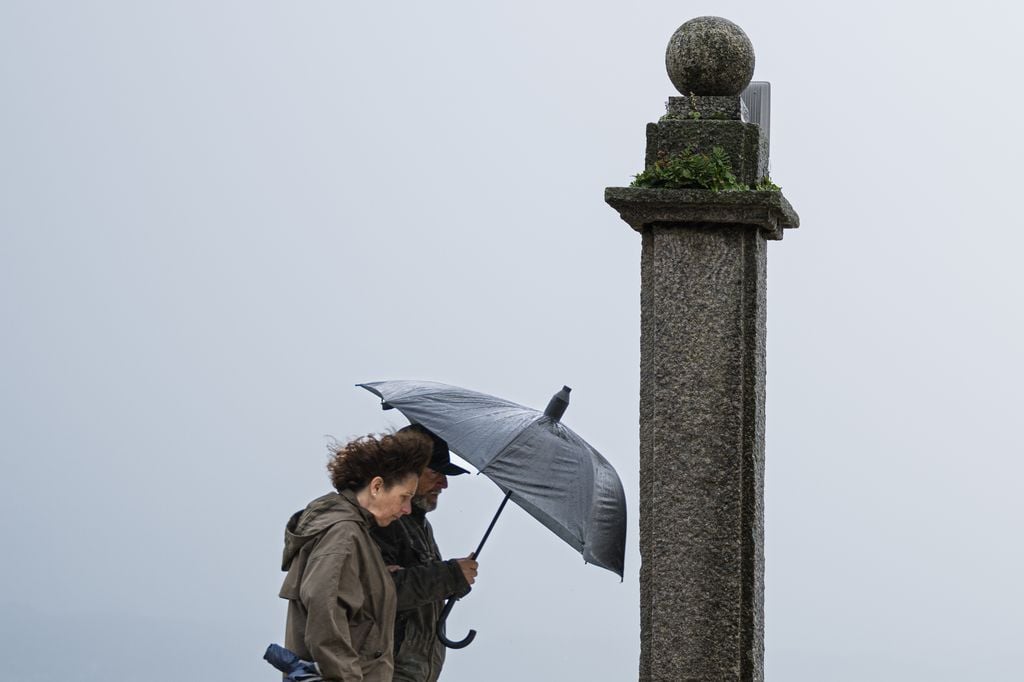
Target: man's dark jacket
{"type": "Point", "coordinates": [423, 583]}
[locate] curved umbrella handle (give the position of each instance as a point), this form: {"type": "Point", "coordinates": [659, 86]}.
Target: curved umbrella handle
{"type": "Point", "coordinates": [451, 602]}
{"type": "Point", "coordinates": [440, 629]}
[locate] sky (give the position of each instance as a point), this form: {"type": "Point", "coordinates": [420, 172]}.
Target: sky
{"type": "Point", "coordinates": [216, 217]}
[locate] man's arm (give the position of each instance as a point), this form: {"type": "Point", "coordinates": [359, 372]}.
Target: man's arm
{"type": "Point", "coordinates": [421, 583]}
{"type": "Point", "coordinates": [438, 580]}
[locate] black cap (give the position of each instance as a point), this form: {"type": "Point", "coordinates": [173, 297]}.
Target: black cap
{"type": "Point", "coordinates": [440, 459]}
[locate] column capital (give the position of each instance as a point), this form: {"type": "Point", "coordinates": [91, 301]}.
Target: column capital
{"type": "Point", "coordinates": [641, 207]}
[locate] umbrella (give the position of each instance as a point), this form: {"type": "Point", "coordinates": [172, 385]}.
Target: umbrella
{"type": "Point", "coordinates": [538, 462]}
{"type": "Point", "coordinates": [294, 668]}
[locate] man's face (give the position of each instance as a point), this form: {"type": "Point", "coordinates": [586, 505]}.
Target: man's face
{"type": "Point", "coordinates": [430, 486]}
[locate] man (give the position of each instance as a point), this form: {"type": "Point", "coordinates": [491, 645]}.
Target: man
{"type": "Point", "coordinates": [422, 580]}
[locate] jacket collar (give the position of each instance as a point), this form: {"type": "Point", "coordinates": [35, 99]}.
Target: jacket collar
{"type": "Point", "coordinates": [350, 497]}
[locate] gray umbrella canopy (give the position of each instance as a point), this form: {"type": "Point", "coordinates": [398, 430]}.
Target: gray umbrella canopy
{"type": "Point", "coordinates": [549, 471]}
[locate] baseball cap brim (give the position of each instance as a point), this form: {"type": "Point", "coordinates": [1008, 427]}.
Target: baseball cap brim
{"type": "Point", "coordinates": [447, 468]}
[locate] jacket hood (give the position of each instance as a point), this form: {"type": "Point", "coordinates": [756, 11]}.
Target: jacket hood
{"type": "Point", "coordinates": [306, 525]}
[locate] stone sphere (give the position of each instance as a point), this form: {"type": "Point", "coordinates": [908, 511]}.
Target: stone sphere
{"type": "Point", "coordinates": [710, 56]}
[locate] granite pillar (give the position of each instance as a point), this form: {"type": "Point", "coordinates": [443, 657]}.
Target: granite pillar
{"type": "Point", "coordinates": [702, 377]}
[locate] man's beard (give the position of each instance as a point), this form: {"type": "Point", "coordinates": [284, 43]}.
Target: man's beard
{"type": "Point", "coordinates": [425, 503]}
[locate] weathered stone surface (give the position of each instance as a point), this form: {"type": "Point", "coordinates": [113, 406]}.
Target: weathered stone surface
{"type": "Point", "coordinates": [710, 56]}
{"type": "Point", "coordinates": [642, 207]}
{"type": "Point", "coordinates": [743, 142]}
{"type": "Point", "coordinates": [702, 453]}
{"type": "Point", "coordinates": [702, 375]}
{"type": "Point", "coordinates": [696, 107]}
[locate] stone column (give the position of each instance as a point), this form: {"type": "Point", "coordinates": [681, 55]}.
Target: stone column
{"type": "Point", "coordinates": [702, 370]}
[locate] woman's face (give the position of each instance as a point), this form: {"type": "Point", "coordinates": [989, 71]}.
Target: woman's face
{"type": "Point", "coordinates": [389, 504]}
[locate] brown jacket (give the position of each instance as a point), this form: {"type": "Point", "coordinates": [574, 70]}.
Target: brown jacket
{"type": "Point", "coordinates": [341, 598]}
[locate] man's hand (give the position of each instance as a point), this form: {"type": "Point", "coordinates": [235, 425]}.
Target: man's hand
{"type": "Point", "coordinates": [469, 567]}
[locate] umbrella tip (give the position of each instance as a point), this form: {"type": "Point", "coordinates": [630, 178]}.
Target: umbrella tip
{"type": "Point", "coordinates": [557, 404]}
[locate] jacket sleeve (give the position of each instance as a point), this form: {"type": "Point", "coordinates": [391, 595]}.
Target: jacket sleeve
{"type": "Point", "coordinates": [428, 583]}
{"type": "Point", "coordinates": [331, 592]}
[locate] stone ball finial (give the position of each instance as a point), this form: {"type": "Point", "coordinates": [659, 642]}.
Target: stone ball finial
{"type": "Point", "coordinates": [710, 56]}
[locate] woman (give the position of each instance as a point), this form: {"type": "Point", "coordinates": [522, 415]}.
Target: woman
{"type": "Point", "coordinates": [341, 597]}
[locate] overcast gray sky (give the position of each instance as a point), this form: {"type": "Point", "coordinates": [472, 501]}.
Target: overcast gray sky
{"type": "Point", "coordinates": [218, 216]}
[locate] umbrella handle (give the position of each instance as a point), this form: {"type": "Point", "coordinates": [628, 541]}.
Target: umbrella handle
{"type": "Point", "coordinates": [466, 641]}
{"type": "Point", "coordinates": [451, 602]}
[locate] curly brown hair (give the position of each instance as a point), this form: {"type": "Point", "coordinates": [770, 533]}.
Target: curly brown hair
{"type": "Point", "coordinates": [392, 456]}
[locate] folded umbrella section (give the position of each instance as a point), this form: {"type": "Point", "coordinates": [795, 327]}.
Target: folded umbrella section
{"type": "Point", "coordinates": [294, 668]}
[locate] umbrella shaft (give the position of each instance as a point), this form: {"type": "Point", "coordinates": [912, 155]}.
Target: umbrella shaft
{"type": "Point", "coordinates": [501, 508]}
